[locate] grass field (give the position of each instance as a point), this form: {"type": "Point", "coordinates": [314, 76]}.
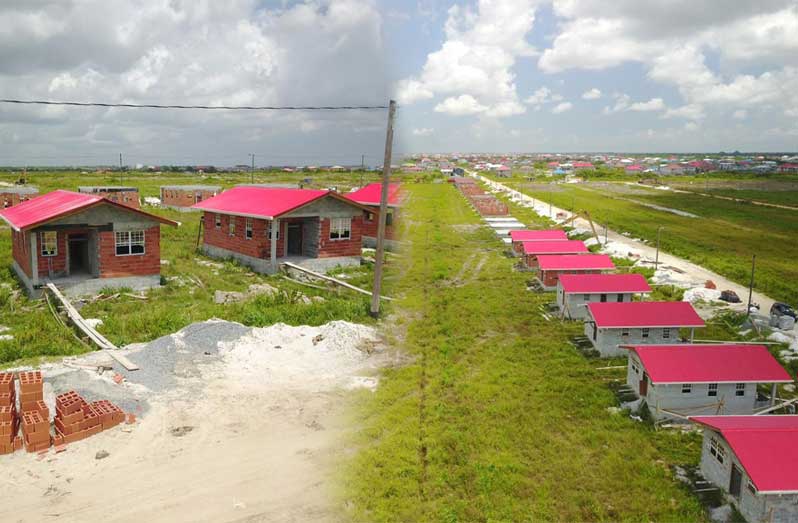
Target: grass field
{"type": "Point", "coordinates": [496, 417]}
{"type": "Point", "coordinates": [723, 238]}
{"type": "Point", "coordinates": [190, 282]}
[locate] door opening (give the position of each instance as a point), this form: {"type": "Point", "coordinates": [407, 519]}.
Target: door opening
{"type": "Point", "coordinates": [79, 254]}
{"type": "Point", "coordinates": [294, 239]}
{"type": "Point", "coordinates": [736, 481]}
{"type": "Point", "coordinates": [643, 385]}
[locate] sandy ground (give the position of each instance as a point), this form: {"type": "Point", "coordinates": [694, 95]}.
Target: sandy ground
{"type": "Point", "coordinates": [216, 447]}
{"type": "Point", "coordinates": [674, 269]}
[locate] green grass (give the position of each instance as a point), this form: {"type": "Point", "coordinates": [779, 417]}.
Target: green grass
{"type": "Point", "coordinates": [723, 238]}
{"type": "Point", "coordinates": [497, 417]}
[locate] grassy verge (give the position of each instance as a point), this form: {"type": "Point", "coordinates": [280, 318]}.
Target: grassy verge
{"type": "Point", "coordinates": [497, 417]}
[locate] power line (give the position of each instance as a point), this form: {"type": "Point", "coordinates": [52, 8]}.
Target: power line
{"type": "Point", "coordinates": [205, 107]}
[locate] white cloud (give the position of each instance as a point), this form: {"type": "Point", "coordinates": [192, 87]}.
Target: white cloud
{"type": "Point", "coordinates": [591, 94]}
{"type": "Point", "coordinates": [562, 107]}
{"type": "Point", "coordinates": [423, 131]}
{"type": "Point", "coordinates": [476, 60]}
{"type": "Point", "coordinates": [740, 114]}
{"type": "Point", "coordinates": [655, 104]}
{"type": "Point", "coordinates": [690, 112]}
{"type": "Point", "coordinates": [462, 105]}
{"type": "Point", "coordinates": [623, 102]}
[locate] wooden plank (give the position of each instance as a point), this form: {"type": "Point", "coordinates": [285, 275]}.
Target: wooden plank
{"type": "Point", "coordinates": [100, 340]}
{"type": "Point", "coordinates": [331, 279]}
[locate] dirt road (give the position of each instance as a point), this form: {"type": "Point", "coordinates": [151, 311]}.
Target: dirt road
{"type": "Point", "coordinates": [685, 272]}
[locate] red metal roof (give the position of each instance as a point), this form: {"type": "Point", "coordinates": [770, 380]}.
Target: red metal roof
{"type": "Point", "coordinates": [644, 314]}
{"type": "Point", "coordinates": [263, 202]}
{"type": "Point", "coordinates": [554, 247]}
{"type": "Point", "coordinates": [56, 204]}
{"type": "Point", "coordinates": [371, 194]}
{"type": "Point", "coordinates": [765, 447]}
{"type": "Point", "coordinates": [597, 283]}
{"type": "Point", "coordinates": [569, 262]}
{"type": "Point", "coordinates": [538, 235]}
{"type": "Point", "coordinates": [722, 363]}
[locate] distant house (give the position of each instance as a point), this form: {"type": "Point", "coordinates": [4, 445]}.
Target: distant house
{"type": "Point", "coordinates": [610, 325]}
{"type": "Point", "coordinates": [316, 228]}
{"type": "Point", "coordinates": [754, 461]}
{"type": "Point", "coordinates": [530, 251]}
{"type": "Point", "coordinates": [633, 169]}
{"type": "Point", "coordinates": [182, 197]}
{"type": "Point", "coordinates": [10, 196]}
{"type": "Point", "coordinates": [575, 291]}
{"type": "Point", "coordinates": [583, 166]}
{"type": "Point", "coordinates": [518, 237]}
{"type": "Point", "coordinates": [369, 197]}
{"type": "Point", "coordinates": [125, 195]}
{"type": "Point", "coordinates": [691, 380]}
{"type": "Point", "coordinates": [550, 267]}
{"type": "Point", "coordinates": [503, 171]}
{"type": "Point", "coordinates": [788, 168]}
{"type": "Point", "coordinates": [84, 243]}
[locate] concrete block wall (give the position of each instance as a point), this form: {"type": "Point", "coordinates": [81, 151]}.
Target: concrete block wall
{"type": "Point", "coordinates": [184, 197]}
{"type": "Point", "coordinates": [10, 199]}
{"type": "Point", "coordinates": [370, 226]}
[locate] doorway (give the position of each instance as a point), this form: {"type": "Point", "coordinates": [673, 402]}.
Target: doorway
{"type": "Point", "coordinates": [736, 481]}
{"type": "Point", "coordinates": [294, 239]}
{"type": "Point", "coordinates": [79, 254]}
{"type": "Point", "coordinates": [643, 385]}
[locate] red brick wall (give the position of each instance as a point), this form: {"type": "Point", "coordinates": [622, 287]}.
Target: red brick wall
{"type": "Point", "coordinates": [550, 278]}
{"type": "Point", "coordinates": [20, 247]}
{"type": "Point", "coordinates": [147, 264]}
{"type": "Point", "coordinates": [182, 198]}
{"type": "Point", "coordinates": [10, 199]}
{"type": "Point", "coordinates": [119, 197]}
{"type": "Point", "coordinates": [57, 263]}
{"type": "Point", "coordinates": [257, 247]}
{"type": "Point", "coordinates": [370, 226]}
{"type": "Point", "coordinates": [331, 248]}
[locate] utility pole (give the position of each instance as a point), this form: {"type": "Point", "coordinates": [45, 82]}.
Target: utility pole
{"type": "Point", "coordinates": [656, 259]}
{"type": "Point", "coordinates": [120, 168]}
{"type": "Point", "coordinates": [386, 177]}
{"type": "Point", "coordinates": [751, 287]}
{"type": "Point", "coordinates": [252, 169]}
{"type": "Point", "coordinates": [362, 167]}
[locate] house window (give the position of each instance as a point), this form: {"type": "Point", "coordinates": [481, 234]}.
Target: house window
{"type": "Point", "coordinates": [620, 298]}
{"type": "Point", "coordinates": [340, 228]}
{"type": "Point", "coordinates": [603, 298]}
{"type": "Point", "coordinates": [666, 333]}
{"type": "Point", "coordinates": [269, 231]}
{"type": "Point", "coordinates": [129, 243]}
{"type": "Point", "coordinates": [712, 389]}
{"type": "Point", "coordinates": [625, 332]}
{"type": "Point", "coordinates": [231, 225]}
{"type": "Point", "coordinates": [389, 218]}
{"type": "Point", "coordinates": [218, 221]}
{"type": "Point", "coordinates": [739, 389]}
{"type": "Point", "coordinates": [635, 368]}
{"type": "Point", "coordinates": [644, 332]}
{"type": "Point", "coordinates": [750, 486]}
{"type": "Point", "coordinates": [49, 241]}
{"type": "Point", "coordinates": [248, 228]}
{"type": "Point", "coordinates": [369, 216]}
{"type": "Point", "coordinates": [586, 297]}
{"type": "Point", "coordinates": [687, 388]}
{"type": "Point", "coordinates": [717, 450]}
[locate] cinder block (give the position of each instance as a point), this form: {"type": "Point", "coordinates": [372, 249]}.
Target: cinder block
{"type": "Point", "coordinates": [69, 419]}
{"type": "Point", "coordinates": [67, 429]}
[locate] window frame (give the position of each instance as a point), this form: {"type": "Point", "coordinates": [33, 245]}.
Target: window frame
{"type": "Point", "coordinates": [624, 333]}
{"type": "Point", "coordinates": [687, 388]}
{"type": "Point", "coordinates": [738, 390]}
{"type": "Point", "coordinates": [248, 228]}
{"type": "Point", "coordinates": [268, 230]}
{"type": "Point", "coordinates": [712, 389]}
{"type": "Point", "coordinates": [751, 487]}
{"type": "Point", "coordinates": [666, 333]}
{"type": "Point", "coordinates": [129, 243]}
{"type": "Point", "coordinates": [645, 332]}
{"type": "Point", "coordinates": [717, 450]}
{"type": "Point", "coordinates": [217, 220]}
{"type": "Point", "coordinates": [231, 226]}
{"type": "Point", "coordinates": [42, 241]}
{"type": "Point", "coordinates": [336, 227]}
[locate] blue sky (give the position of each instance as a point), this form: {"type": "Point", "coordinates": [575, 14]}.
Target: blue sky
{"type": "Point", "coordinates": [470, 76]}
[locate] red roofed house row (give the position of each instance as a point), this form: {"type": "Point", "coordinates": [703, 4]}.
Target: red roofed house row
{"type": "Point", "coordinates": [531, 250]}
{"type": "Point", "coordinates": [317, 228]}
{"type": "Point", "coordinates": [611, 325]}
{"type": "Point", "coordinates": [691, 380]}
{"type": "Point", "coordinates": [551, 266]}
{"type": "Point", "coordinates": [125, 195]}
{"type": "Point", "coordinates": [575, 291]}
{"type": "Point", "coordinates": [10, 196]}
{"type": "Point", "coordinates": [754, 460]}
{"type": "Point", "coordinates": [369, 196]}
{"type": "Point", "coordinates": [83, 243]}
{"type": "Point", "coordinates": [518, 237]}
{"type": "Point", "coordinates": [182, 197]}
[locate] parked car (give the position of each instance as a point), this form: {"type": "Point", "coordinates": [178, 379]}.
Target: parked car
{"type": "Point", "coordinates": [779, 309]}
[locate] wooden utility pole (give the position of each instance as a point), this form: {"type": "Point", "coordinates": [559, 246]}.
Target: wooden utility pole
{"type": "Point", "coordinates": [751, 287]}
{"type": "Point", "coordinates": [386, 178]}
{"type": "Point", "coordinates": [120, 168]}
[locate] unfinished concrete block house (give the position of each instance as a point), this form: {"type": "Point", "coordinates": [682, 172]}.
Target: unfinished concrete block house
{"type": "Point", "coordinates": [369, 196]}
{"type": "Point", "coordinates": [10, 196]}
{"type": "Point", "coordinates": [125, 195]}
{"type": "Point", "coordinates": [575, 291]}
{"type": "Point", "coordinates": [182, 197]}
{"type": "Point", "coordinates": [611, 325]}
{"type": "Point", "coordinates": [319, 229]}
{"type": "Point", "coordinates": [677, 381]}
{"type": "Point", "coordinates": [754, 461]}
{"type": "Point", "coordinates": [83, 243]}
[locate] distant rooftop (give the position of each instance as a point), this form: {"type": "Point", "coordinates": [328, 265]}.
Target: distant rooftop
{"type": "Point", "coordinates": [25, 189]}
{"type": "Point", "coordinates": [105, 188]}
{"type": "Point", "coordinates": [192, 187]}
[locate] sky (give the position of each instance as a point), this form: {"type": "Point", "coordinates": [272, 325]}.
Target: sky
{"type": "Point", "coordinates": [469, 76]}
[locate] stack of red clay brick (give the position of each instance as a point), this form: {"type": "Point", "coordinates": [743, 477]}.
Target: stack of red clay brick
{"type": "Point", "coordinates": [9, 441]}
{"type": "Point", "coordinates": [35, 415]}
{"type": "Point", "coordinates": [75, 419]}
